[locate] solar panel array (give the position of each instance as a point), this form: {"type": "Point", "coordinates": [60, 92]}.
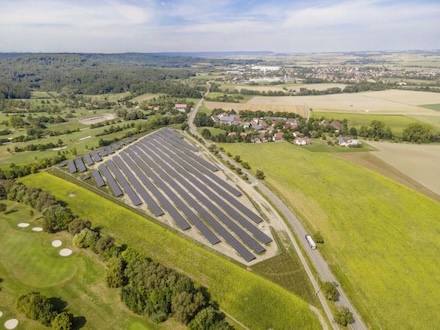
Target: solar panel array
{"type": "Point", "coordinates": [72, 167]}
{"type": "Point", "coordinates": [89, 161]}
{"type": "Point", "coordinates": [80, 165]}
{"type": "Point", "coordinates": [163, 171]}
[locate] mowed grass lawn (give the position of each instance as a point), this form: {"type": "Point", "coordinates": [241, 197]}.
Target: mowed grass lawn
{"type": "Point", "coordinates": [253, 300]}
{"type": "Point", "coordinates": [28, 262]}
{"type": "Point", "coordinates": [381, 238]}
{"type": "Point", "coordinates": [397, 123]}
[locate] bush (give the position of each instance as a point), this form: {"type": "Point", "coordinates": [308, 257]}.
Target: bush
{"type": "Point", "coordinates": [330, 292]}
{"type": "Point", "coordinates": [62, 321]}
{"type": "Point", "coordinates": [344, 317]}
{"type": "Point", "coordinates": [37, 307]}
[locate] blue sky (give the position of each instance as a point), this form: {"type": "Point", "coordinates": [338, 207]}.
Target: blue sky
{"type": "Point", "coordinates": [221, 25]}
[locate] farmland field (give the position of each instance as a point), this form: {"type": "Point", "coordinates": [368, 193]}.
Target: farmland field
{"type": "Point", "coordinates": [381, 238]}
{"type": "Point", "coordinates": [283, 87]}
{"type": "Point", "coordinates": [397, 123]}
{"type": "Point", "coordinates": [419, 162]}
{"type": "Point", "coordinates": [383, 102]}
{"type": "Point", "coordinates": [238, 291]}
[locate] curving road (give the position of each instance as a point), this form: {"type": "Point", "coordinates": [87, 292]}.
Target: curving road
{"type": "Point", "coordinates": [315, 257]}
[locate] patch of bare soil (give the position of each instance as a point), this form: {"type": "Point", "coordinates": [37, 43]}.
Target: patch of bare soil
{"type": "Point", "coordinates": [372, 162]}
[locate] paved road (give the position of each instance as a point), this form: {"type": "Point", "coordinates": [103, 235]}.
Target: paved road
{"type": "Point", "coordinates": [317, 260]}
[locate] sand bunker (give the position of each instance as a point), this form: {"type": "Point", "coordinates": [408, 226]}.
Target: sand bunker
{"type": "Point", "coordinates": [23, 224]}
{"type": "Point", "coordinates": [57, 243]}
{"type": "Point", "coordinates": [85, 138]}
{"type": "Point", "coordinates": [65, 252]}
{"type": "Point", "coordinates": [37, 229]}
{"type": "Point", "coordinates": [1, 314]}
{"type": "Point", "coordinates": [11, 324]}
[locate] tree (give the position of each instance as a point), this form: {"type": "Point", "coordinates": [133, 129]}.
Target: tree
{"type": "Point", "coordinates": [87, 238]}
{"type": "Point", "coordinates": [209, 319]}
{"type": "Point", "coordinates": [343, 316]}
{"type": "Point", "coordinates": [330, 292]}
{"type": "Point", "coordinates": [115, 277]}
{"type": "Point", "coordinates": [260, 175]}
{"type": "Point", "coordinates": [417, 133]}
{"type": "Point", "coordinates": [206, 133]}
{"type": "Point", "coordinates": [35, 306]}
{"type": "Point", "coordinates": [246, 165]}
{"type": "Point", "coordinates": [63, 321]}
{"type": "Point", "coordinates": [186, 304]}
{"type": "Point", "coordinates": [3, 207]}
{"type": "Point", "coordinates": [353, 131]}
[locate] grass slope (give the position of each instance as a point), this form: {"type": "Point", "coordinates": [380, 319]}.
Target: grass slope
{"type": "Point", "coordinates": [28, 262]}
{"type": "Point", "coordinates": [254, 301]}
{"type": "Point", "coordinates": [381, 238]}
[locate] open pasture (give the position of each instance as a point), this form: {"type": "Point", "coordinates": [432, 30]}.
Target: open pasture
{"type": "Point", "coordinates": [238, 291]}
{"type": "Point", "coordinates": [29, 262]}
{"type": "Point", "coordinates": [381, 238]}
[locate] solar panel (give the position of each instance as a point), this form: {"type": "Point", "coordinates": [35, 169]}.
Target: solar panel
{"type": "Point", "coordinates": [89, 161]}
{"type": "Point", "coordinates": [80, 165]}
{"type": "Point", "coordinates": [244, 236]}
{"type": "Point", "coordinates": [96, 157]}
{"type": "Point", "coordinates": [127, 170]}
{"type": "Point", "coordinates": [102, 152]}
{"type": "Point", "coordinates": [201, 185]}
{"type": "Point", "coordinates": [98, 178]}
{"type": "Point", "coordinates": [72, 167]}
{"type": "Point", "coordinates": [110, 150]}
{"type": "Point", "coordinates": [123, 182]}
{"type": "Point", "coordinates": [193, 167]}
{"type": "Point", "coordinates": [237, 245]}
{"type": "Point", "coordinates": [177, 217]}
{"type": "Point", "coordinates": [111, 181]}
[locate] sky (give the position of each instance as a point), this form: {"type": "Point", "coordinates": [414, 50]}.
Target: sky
{"type": "Point", "coordinates": [282, 26]}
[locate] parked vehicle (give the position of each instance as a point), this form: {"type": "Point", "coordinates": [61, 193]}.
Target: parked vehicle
{"type": "Point", "coordinates": [311, 242]}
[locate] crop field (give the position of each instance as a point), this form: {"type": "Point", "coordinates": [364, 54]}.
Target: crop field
{"type": "Point", "coordinates": [419, 162]}
{"type": "Point", "coordinates": [370, 161]}
{"type": "Point", "coordinates": [238, 291]}
{"type": "Point", "coordinates": [28, 262]}
{"type": "Point", "coordinates": [283, 87]}
{"type": "Point", "coordinates": [435, 107]}
{"type": "Point", "coordinates": [381, 238]}
{"type": "Point", "coordinates": [397, 123]}
{"type": "Point", "coordinates": [395, 102]}
{"type": "Point", "coordinates": [264, 103]}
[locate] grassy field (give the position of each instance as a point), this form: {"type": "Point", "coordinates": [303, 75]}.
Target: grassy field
{"type": "Point", "coordinates": [28, 262]}
{"type": "Point", "coordinates": [322, 146]}
{"type": "Point", "coordinates": [213, 130]}
{"type": "Point", "coordinates": [238, 291]}
{"type": "Point", "coordinates": [397, 123]}
{"type": "Point", "coordinates": [435, 107]}
{"type": "Point", "coordinates": [381, 238]}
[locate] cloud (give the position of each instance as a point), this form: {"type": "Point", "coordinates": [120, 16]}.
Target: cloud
{"type": "Point", "coordinates": [190, 25]}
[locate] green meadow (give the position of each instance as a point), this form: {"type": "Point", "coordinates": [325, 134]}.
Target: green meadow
{"type": "Point", "coordinates": [251, 299]}
{"type": "Point", "coordinates": [381, 238]}
{"type": "Point", "coordinates": [397, 123]}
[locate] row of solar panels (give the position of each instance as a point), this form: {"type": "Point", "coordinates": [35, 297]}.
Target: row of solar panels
{"type": "Point", "coordinates": [77, 164]}
{"type": "Point", "coordinates": [163, 160]}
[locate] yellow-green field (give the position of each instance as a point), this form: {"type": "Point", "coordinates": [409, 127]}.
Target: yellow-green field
{"type": "Point", "coordinates": [238, 291]}
{"type": "Point", "coordinates": [381, 238]}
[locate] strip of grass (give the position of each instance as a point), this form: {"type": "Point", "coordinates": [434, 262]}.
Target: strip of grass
{"type": "Point", "coordinates": [254, 301]}
{"type": "Point", "coordinates": [286, 270]}
{"type": "Point", "coordinates": [381, 238]}
{"type": "Point", "coordinates": [435, 107]}
{"type": "Point", "coordinates": [28, 262]}
{"type": "Point", "coordinates": [397, 123]}
{"type": "Point", "coordinates": [214, 130]}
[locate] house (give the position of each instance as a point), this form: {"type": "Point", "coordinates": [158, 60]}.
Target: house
{"type": "Point", "coordinates": [180, 107]}
{"type": "Point", "coordinates": [278, 136]}
{"type": "Point", "coordinates": [302, 141]}
{"type": "Point", "coordinates": [336, 125]}
{"type": "Point", "coordinates": [224, 118]}
{"type": "Point", "coordinates": [346, 142]}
